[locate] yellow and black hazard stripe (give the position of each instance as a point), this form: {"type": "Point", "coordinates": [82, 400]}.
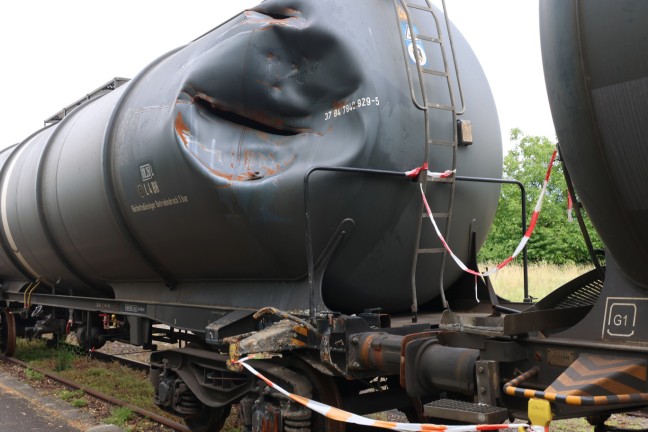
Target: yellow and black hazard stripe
{"type": "Point", "coordinates": [603, 376]}
{"type": "Point", "coordinates": [511, 388]}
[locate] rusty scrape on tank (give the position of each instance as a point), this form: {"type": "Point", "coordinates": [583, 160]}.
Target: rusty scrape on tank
{"type": "Point", "coordinates": [287, 20]}
{"type": "Point", "coordinates": [235, 113]}
{"type": "Point", "coordinates": [233, 166]}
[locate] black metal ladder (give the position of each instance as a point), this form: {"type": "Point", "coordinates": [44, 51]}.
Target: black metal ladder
{"type": "Point", "coordinates": [432, 92]}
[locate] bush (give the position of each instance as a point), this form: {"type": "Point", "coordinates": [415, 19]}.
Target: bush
{"type": "Point", "coordinates": [555, 240]}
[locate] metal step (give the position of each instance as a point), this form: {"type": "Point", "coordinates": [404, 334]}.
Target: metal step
{"type": "Point", "coordinates": [465, 411]}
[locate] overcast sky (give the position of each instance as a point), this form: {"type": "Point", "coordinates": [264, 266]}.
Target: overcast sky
{"type": "Point", "coordinates": [54, 52]}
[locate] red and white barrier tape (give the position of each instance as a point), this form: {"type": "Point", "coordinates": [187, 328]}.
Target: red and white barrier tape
{"type": "Point", "coordinates": [523, 242]}
{"type": "Point", "coordinates": [431, 175]}
{"type": "Point", "coordinates": [347, 417]}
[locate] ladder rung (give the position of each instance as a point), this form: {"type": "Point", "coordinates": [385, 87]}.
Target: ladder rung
{"type": "Point", "coordinates": [441, 107]}
{"type": "Point", "coordinates": [435, 72]}
{"type": "Point", "coordinates": [427, 38]}
{"type": "Point", "coordinates": [430, 250]}
{"type": "Point", "coordinates": [439, 180]}
{"type": "Point", "coordinates": [437, 215]}
{"type": "Point", "coordinates": [441, 143]}
{"type": "Point", "coordinates": [423, 8]}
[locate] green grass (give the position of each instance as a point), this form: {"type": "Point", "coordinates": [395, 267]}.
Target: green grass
{"type": "Point", "coordinates": [64, 359]}
{"type": "Point", "coordinates": [543, 279]}
{"type": "Point", "coordinates": [33, 375]}
{"type": "Point", "coordinates": [68, 395]}
{"type": "Point", "coordinates": [76, 398]}
{"type": "Point", "coordinates": [115, 380]}
{"type": "Point", "coordinates": [79, 403]}
{"type": "Point", "coordinates": [32, 351]}
{"type": "Point", "coordinates": [120, 416]}
{"type": "Point", "coordinates": [111, 379]}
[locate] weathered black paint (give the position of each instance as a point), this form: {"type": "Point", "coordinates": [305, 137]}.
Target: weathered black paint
{"type": "Point", "coordinates": [597, 83]}
{"type": "Point", "coordinates": [191, 175]}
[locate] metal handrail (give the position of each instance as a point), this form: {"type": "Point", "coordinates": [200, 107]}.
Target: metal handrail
{"type": "Point", "coordinates": [309, 245]}
{"type": "Point", "coordinates": [387, 173]}
{"type": "Point", "coordinates": [527, 299]}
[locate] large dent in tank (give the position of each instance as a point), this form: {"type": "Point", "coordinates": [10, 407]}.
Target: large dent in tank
{"type": "Point", "coordinates": [252, 101]}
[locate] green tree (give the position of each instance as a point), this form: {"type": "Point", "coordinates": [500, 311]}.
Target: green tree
{"type": "Point", "coordinates": [555, 240]}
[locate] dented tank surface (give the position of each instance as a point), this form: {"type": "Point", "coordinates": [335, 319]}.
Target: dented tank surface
{"type": "Point", "coordinates": [193, 172]}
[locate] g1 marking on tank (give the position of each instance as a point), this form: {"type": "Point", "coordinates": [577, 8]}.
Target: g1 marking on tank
{"type": "Point", "coordinates": [621, 317]}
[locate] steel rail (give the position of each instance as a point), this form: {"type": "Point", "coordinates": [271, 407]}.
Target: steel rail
{"type": "Point", "coordinates": [131, 364]}
{"type": "Point", "coordinates": [102, 396]}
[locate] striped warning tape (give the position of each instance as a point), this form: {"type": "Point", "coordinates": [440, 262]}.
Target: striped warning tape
{"type": "Point", "coordinates": [430, 175]}
{"type": "Point", "coordinates": [347, 417]}
{"type": "Point", "coordinates": [521, 245]}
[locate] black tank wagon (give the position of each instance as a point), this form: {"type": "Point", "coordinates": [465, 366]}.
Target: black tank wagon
{"type": "Point", "coordinates": [255, 192]}
{"type": "Point", "coordinates": [262, 165]}
{"type": "Point", "coordinates": [168, 184]}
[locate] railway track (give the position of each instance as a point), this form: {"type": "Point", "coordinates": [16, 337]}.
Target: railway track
{"type": "Point", "coordinates": [175, 425]}
{"type": "Point", "coordinates": [132, 364]}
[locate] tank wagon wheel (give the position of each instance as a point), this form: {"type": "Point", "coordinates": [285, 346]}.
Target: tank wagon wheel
{"type": "Point", "coordinates": [260, 408]}
{"type": "Point", "coordinates": [209, 419]}
{"type": "Point", "coordinates": [7, 333]}
{"type": "Point", "coordinates": [95, 340]}
{"type": "Point", "coordinates": [326, 391]}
